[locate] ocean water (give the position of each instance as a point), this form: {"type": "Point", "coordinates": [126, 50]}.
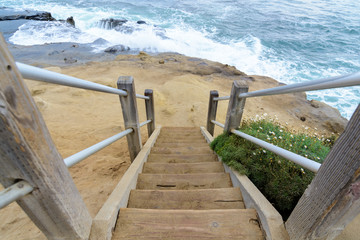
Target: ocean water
{"type": "Point", "coordinates": [291, 41]}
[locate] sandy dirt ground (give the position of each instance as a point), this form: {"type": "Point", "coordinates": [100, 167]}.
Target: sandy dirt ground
{"type": "Point", "coordinates": [78, 118]}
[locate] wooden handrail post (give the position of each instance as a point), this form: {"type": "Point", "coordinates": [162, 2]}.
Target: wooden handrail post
{"type": "Point", "coordinates": [150, 111]}
{"type": "Point", "coordinates": [236, 105]}
{"type": "Point", "coordinates": [28, 153]}
{"type": "Point", "coordinates": [130, 114]}
{"type": "Point", "coordinates": [332, 199]}
{"type": "Point", "coordinates": [212, 111]}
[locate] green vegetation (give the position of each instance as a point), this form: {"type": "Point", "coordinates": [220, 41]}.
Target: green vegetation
{"type": "Point", "coordinates": [281, 181]}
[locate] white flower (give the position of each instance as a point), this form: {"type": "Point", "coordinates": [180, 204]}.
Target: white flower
{"type": "Point", "coordinates": [281, 130]}
{"type": "Point", "coordinates": [275, 137]}
{"type": "Point", "coordinates": [261, 128]}
{"type": "Point", "coordinates": [254, 153]}
{"type": "Point", "coordinates": [264, 151]}
{"type": "Point", "coordinates": [268, 138]}
{"type": "Point", "coordinates": [305, 146]}
{"type": "Point", "coordinates": [286, 123]}
{"type": "Point", "coordinates": [292, 136]}
{"type": "Point", "coordinates": [302, 170]}
{"type": "Point", "coordinates": [306, 128]}
{"type": "Point", "coordinates": [290, 145]}
{"type": "Point", "coordinates": [279, 162]}
{"type": "Point", "coordinates": [280, 137]}
{"type": "Point", "coordinates": [265, 114]}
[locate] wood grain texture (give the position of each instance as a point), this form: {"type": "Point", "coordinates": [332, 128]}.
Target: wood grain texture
{"type": "Point", "coordinates": [332, 199]}
{"type": "Point", "coordinates": [221, 198]}
{"type": "Point", "coordinates": [188, 224]}
{"type": "Point", "coordinates": [188, 158]}
{"type": "Point", "coordinates": [183, 181]}
{"type": "Point", "coordinates": [28, 153]}
{"type": "Point", "coordinates": [212, 109]}
{"type": "Point", "coordinates": [104, 221]}
{"type": "Point", "coordinates": [179, 144]}
{"type": "Point", "coordinates": [236, 106]}
{"type": "Point", "coordinates": [130, 114]}
{"type": "Point", "coordinates": [150, 110]}
{"type": "Point", "coordinates": [183, 168]}
{"type": "Point", "coordinates": [271, 221]}
{"type": "Point", "coordinates": [182, 150]}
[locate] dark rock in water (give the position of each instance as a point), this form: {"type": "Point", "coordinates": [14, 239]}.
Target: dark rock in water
{"type": "Point", "coordinates": [70, 60]}
{"type": "Point", "coordinates": [100, 41]}
{"type": "Point", "coordinates": [117, 48]}
{"type": "Point", "coordinates": [70, 20]}
{"type": "Point", "coordinates": [9, 14]}
{"type": "Point", "coordinates": [141, 22]}
{"type": "Point", "coordinates": [111, 23]}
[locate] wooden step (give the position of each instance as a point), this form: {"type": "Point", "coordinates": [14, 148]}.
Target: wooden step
{"type": "Point", "coordinates": [177, 140]}
{"type": "Point", "coordinates": [182, 150]}
{"type": "Point", "coordinates": [200, 199]}
{"type": "Point", "coordinates": [183, 168]}
{"type": "Point", "coordinates": [187, 224]}
{"type": "Point", "coordinates": [182, 144]}
{"type": "Point", "coordinates": [183, 181]}
{"type": "Point", "coordinates": [180, 129]}
{"type": "Point", "coordinates": [185, 158]}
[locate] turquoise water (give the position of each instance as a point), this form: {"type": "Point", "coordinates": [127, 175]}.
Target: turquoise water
{"type": "Point", "coordinates": [291, 41]}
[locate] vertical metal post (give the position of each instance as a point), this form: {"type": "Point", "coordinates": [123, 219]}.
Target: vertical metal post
{"type": "Point", "coordinates": [27, 153]}
{"type": "Point", "coordinates": [236, 105]}
{"type": "Point", "coordinates": [130, 114]}
{"type": "Point", "coordinates": [212, 111]}
{"type": "Point", "coordinates": [150, 111]}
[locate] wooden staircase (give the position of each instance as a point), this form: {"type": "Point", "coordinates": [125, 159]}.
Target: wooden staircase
{"type": "Point", "coordinates": [183, 192]}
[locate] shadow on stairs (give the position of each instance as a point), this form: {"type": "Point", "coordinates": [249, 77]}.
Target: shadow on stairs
{"type": "Point", "coordinates": [183, 192]}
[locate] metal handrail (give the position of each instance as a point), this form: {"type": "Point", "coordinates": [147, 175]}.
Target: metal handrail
{"type": "Point", "coordinates": [144, 123]}
{"type": "Point", "coordinates": [304, 162]}
{"type": "Point", "coordinates": [221, 98]}
{"type": "Point", "coordinates": [327, 83]}
{"type": "Point", "coordinates": [77, 157]}
{"type": "Point", "coordinates": [14, 192]}
{"type": "Point", "coordinates": [38, 74]}
{"type": "Point", "coordinates": [217, 123]}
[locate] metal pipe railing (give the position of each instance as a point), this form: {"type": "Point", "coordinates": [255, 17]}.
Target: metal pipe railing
{"type": "Point", "coordinates": [77, 157]}
{"type": "Point", "coordinates": [217, 123]}
{"type": "Point", "coordinates": [142, 97]}
{"type": "Point", "coordinates": [14, 192]}
{"type": "Point", "coordinates": [146, 122]}
{"type": "Point", "coordinates": [327, 83]}
{"type": "Point", "coordinates": [38, 74]}
{"type": "Point", "coordinates": [221, 98]}
{"type": "Point", "coordinates": [302, 161]}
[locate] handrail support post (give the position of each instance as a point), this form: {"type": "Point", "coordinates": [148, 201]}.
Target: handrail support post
{"type": "Point", "coordinates": [212, 111]}
{"type": "Point", "coordinates": [150, 111]}
{"type": "Point", "coordinates": [236, 105]}
{"type": "Point", "coordinates": [130, 114]}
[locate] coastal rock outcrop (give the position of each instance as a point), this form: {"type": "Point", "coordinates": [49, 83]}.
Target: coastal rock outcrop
{"type": "Point", "coordinates": [8, 14]}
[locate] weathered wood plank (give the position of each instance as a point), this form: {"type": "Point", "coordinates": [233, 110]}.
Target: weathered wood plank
{"type": "Point", "coordinates": [188, 224]}
{"type": "Point", "coordinates": [332, 199]}
{"type": "Point", "coordinates": [212, 111]}
{"type": "Point", "coordinates": [271, 221]}
{"type": "Point", "coordinates": [183, 168]}
{"type": "Point", "coordinates": [221, 198]}
{"type": "Point", "coordinates": [104, 221]}
{"type": "Point", "coordinates": [130, 114]}
{"type": "Point", "coordinates": [175, 158]}
{"type": "Point", "coordinates": [179, 144]}
{"type": "Point", "coordinates": [28, 153]}
{"type": "Point", "coordinates": [182, 150]}
{"type": "Point", "coordinates": [183, 181]}
{"type": "Point", "coordinates": [236, 106]}
{"type": "Point", "coordinates": [150, 111]}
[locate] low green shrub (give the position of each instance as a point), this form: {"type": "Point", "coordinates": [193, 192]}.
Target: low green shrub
{"type": "Point", "coordinates": [281, 181]}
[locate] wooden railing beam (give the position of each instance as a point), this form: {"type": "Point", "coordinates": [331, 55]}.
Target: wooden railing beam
{"type": "Point", "coordinates": [236, 105]}
{"type": "Point", "coordinates": [130, 115]}
{"type": "Point", "coordinates": [28, 153]}
{"type": "Point", "coordinates": [150, 111]}
{"type": "Point", "coordinates": [210, 126]}
{"type": "Point", "coordinates": [332, 199]}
